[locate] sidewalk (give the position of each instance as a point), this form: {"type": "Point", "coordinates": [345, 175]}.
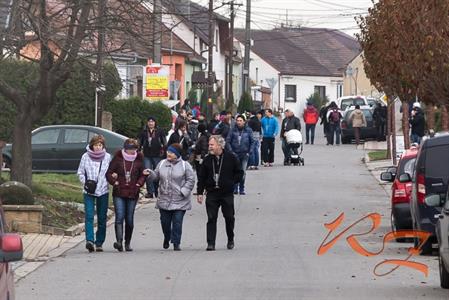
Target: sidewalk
{"type": "Point", "coordinates": [40, 248]}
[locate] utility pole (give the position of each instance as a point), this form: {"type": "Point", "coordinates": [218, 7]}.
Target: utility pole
{"type": "Point", "coordinates": [99, 95]}
{"type": "Point", "coordinates": [246, 86]}
{"type": "Point", "coordinates": [157, 32]}
{"type": "Point", "coordinates": [230, 99]}
{"type": "Point", "coordinates": [210, 77]}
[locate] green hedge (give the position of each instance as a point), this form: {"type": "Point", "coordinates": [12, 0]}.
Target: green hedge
{"type": "Point", "coordinates": [245, 103]}
{"type": "Point", "coordinates": [129, 115]}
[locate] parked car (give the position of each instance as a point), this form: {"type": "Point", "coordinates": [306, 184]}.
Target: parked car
{"type": "Point", "coordinates": [401, 190]}
{"type": "Point", "coordinates": [11, 249]}
{"type": "Point", "coordinates": [430, 177]}
{"type": "Point", "coordinates": [59, 148]}
{"type": "Point", "coordinates": [372, 102]}
{"type": "Point", "coordinates": [347, 132]}
{"type": "Point", "coordinates": [442, 233]}
{"type": "Point", "coordinates": [344, 102]}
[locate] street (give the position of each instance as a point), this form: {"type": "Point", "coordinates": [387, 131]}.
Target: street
{"type": "Point", "coordinates": [279, 228]}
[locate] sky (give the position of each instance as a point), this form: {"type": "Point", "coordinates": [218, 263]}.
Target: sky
{"type": "Point", "coordinates": [267, 14]}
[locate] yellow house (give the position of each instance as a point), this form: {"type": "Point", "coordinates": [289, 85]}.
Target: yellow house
{"type": "Point", "coordinates": [355, 80]}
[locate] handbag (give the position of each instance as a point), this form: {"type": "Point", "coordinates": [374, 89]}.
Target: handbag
{"type": "Point", "coordinates": [90, 185]}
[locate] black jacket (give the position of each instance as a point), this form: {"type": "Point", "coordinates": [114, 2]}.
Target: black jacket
{"type": "Point", "coordinates": [185, 142]}
{"type": "Point", "coordinates": [158, 142]}
{"type": "Point", "coordinates": [202, 145]}
{"type": "Point", "coordinates": [231, 173]}
{"type": "Point", "coordinates": [418, 123]}
{"type": "Point", "coordinates": [254, 124]}
{"type": "Point", "coordinates": [289, 124]}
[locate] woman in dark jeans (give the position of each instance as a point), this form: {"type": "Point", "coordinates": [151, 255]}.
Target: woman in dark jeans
{"type": "Point", "coordinates": [126, 175]}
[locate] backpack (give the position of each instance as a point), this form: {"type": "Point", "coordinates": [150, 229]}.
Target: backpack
{"type": "Point", "coordinates": [334, 117]}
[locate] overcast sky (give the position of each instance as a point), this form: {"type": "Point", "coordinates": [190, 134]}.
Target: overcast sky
{"type": "Point", "coordinates": [267, 14]}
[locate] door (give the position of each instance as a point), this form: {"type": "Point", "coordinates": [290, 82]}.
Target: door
{"type": "Point", "coordinates": [45, 149]}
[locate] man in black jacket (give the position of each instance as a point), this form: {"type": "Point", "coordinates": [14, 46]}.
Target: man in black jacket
{"type": "Point", "coordinates": [418, 123]}
{"type": "Point", "coordinates": [290, 122]}
{"type": "Point", "coordinates": [218, 174]}
{"type": "Point", "coordinates": [256, 126]}
{"type": "Point", "coordinates": [152, 143]}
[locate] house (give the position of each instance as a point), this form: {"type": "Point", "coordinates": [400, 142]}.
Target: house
{"type": "Point", "coordinates": [297, 62]}
{"type": "Point", "coordinates": [355, 80]}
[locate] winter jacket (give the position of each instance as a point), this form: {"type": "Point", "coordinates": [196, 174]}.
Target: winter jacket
{"type": "Point", "coordinates": [323, 113]}
{"type": "Point", "coordinates": [418, 123]}
{"type": "Point", "coordinates": [184, 140]}
{"type": "Point", "coordinates": [158, 142]}
{"type": "Point", "coordinates": [256, 126]}
{"type": "Point", "coordinates": [310, 115]}
{"type": "Point", "coordinates": [176, 181]}
{"type": "Point", "coordinates": [240, 141]}
{"type": "Point", "coordinates": [329, 115]}
{"type": "Point", "coordinates": [202, 145]}
{"type": "Point", "coordinates": [270, 127]}
{"type": "Point", "coordinates": [212, 125]}
{"type": "Point", "coordinates": [118, 166]}
{"type": "Point", "coordinates": [222, 129]}
{"type": "Point", "coordinates": [290, 123]}
{"type": "Point", "coordinates": [91, 168]}
{"type": "Point", "coordinates": [357, 118]}
{"type": "Point", "coordinates": [231, 173]}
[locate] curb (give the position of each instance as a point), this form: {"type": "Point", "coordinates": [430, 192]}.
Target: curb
{"type": "Point", "coordinates": [23, 268]}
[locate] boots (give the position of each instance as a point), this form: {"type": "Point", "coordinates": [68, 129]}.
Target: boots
{"type": "Point", "coordinates": [128, 235]}
{"type": "Point", "coordinates": [119, 237]}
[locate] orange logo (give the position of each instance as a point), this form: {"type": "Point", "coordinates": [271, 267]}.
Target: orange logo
{"type": "Point", "coordinates": [391, 236]}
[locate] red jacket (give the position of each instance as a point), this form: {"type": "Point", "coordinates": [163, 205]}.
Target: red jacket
{"type": "Point", "coordinates": [123, 189]}
{"type": "Point", "coordinates": [310, 115]}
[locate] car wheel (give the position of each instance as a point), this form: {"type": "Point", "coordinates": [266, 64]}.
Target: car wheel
{"type": "Point", "coordinates": [444, 274]}
{"type": "Point", "coordinates": [395, 227]}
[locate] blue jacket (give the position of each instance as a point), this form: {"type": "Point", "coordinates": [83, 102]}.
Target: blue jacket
{"type": "Point", "coordinates": [270, 127]}
{"type": "Point", "coordinates": [240, 141]}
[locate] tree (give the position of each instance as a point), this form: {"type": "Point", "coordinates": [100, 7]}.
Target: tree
{"type": "Point", "coordinates": [317, 100]}
{"type": "Point", "coordinates": [245, 103]}
{"type": "Point", "coordinates": [54, 35]}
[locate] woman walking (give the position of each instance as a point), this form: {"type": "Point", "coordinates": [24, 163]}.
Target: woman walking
{"type": "Point", "coordinates": [126, 175]}
{"type": "Point", "coordinates": [92, 174]}
{"type": "Point", "coordinates": [176, 181]}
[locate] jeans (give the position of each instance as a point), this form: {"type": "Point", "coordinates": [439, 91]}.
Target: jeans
{"type": "Point", "coordinates": [243, 159]}
{"type": "Point", "coordinates": [171, 222]}
{"type": "Point", "coordinates": [124, 211]}
{"type": "Point", "coordinates": [151, 163]}
{"type": "Point", "coordinates": [102, 209]}
{"type": "Point", "coordinates": [334, 129]}
{"type": "Point", "coordinates": [310, 130]}
{"type": "Point", "coordinates": [286, 149]}
{"type": "Point", "coordinates": [254, 158]}
{"type": "Point", "coordinates": [415, 138]}
{"type": "Point", "coordinates": [268, 150]}
{"type": "Point", "coordinates": [213, 203]}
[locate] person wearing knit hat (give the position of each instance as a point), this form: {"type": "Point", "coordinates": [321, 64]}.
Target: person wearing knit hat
{"type": "Point", "coordinates": [176, 179]}
{"type": "Point", "coordinates": [152, 143]}
{"type": "Point", "coordinates": [92, 172]}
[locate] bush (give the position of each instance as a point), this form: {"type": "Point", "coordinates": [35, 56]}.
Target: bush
{"type": "Point", "coordinates": [129, 116]}
{"type": "Point", "coordinates": [317, 100]}
{"type": "Point", "coordinates": [245, 103]}
{"type": "Point", "coordinates": [16, 193]}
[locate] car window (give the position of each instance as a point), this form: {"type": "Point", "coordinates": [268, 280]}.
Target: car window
{"type": "Point", "coordinates": [91, 135]}
{"type": "Point", "coordinates": [75, 136]}
{"type": "Point", "coordinates": [368, 114]}
{"type": "Point", "coordinates": [345, 103]}
{"type": "Point", "coordinates": [47, 136]}
{"type": "Point", "coordinates": [437, 162]}
{"type": "Point", "coordinates": [407, 166]}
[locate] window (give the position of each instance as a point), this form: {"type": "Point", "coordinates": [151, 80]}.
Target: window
{"type": "Point", "coordinates": [49, 136]}
{"type": "Point", "coordinates": [320, 90]}
{"type": "Point", "coordinates": [339, 90]}
{"type": "Point", "coordinates": [131, 90]}
{"type": "Point", "coordinates": [290, 93]}
{"type": "Point", "coordinates": [75, 136]}
{"type": "Point", "coordinates": [216, 40]}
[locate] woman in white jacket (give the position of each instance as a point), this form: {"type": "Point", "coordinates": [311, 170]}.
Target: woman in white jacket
{"type": "Point", "coordinates": [176, 181]}
{"type": "Point", "coordinates": [93, 166]}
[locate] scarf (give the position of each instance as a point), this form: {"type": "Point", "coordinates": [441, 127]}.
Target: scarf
{"type": "Point", "coordinates": [96, 155]}
{"type": "Point", "coordinates": [129, 157]}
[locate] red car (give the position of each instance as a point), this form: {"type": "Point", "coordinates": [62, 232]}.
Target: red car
{"type": "Point", "coordinates": [401, 190]}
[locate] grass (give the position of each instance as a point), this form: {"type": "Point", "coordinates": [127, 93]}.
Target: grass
{"type": "Point", "coordinates": [61, 187]}
{"type": "Point", "coordinates": [377, 155]}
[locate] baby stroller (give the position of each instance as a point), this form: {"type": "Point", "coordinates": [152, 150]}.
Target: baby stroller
{"type": "Point", "coordinates": [294, 142]}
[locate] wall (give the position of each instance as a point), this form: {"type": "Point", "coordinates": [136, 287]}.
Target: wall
{"type": "Point", "coordinates": [172, 60]}
{"type": "Point", "coordinates": [305, 86]}
{"type": "Point", "coordinates": [358, 79]}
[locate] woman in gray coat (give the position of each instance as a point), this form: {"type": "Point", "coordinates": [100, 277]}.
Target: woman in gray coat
{"type": "Point", "coordinates": [176, 181]}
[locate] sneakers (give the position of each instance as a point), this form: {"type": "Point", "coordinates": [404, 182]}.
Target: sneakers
{"type": "Point", "coordinates": [90, 246]}
{"type": "Point", "coordinates": [128, 248]}
{"type": "Point", "coordinates": [176, 247]}
{"type": "Point", "coordinates": [118, 246]}
{"type": "Point", "coordinates": [230, 245]}
{"type": "Point", "coordinates": [99, 248]}
{"type": "Point", "coordinates": [270, 164]}
{"type": "Point", "coordinates": [242, 192]}
{"type": "Point", "coordinates": [149, 195]}
{"type": "Point", "coordinates": [236, 191]}
{"type": "Point", "coordinates": [210, 247]}
{"type": "Point", "coordinates": [166, 244]}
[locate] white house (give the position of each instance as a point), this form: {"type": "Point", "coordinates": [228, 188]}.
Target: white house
{"type": "Point", "coordinates": [298, 62]}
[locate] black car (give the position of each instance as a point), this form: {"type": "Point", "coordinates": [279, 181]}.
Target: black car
{"type": "Point", "coordinates": [347, 132]}
{"type": "Point", "coordinates": [59, 148]}
{"type": "Point", "coordinates": [430, 177]}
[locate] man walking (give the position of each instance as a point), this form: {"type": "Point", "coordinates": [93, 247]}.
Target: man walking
{"type": "Point", "coordinates": [256, 127]}
{"type": "Point", "coordinates": [334, 116]}
{"type": "Point", "coordinates": [290, 122]}
{"type": "Point", "coordinates": [240, 142]}
{"type": "Point", "coordinates": [218, 174]}
{"type": "Point", "coordinates": [152, 143]}
{"type": "Point", "coordinates": [418, 123]}
{"type": "Point", "coordinates": [270, 128]}
{"type": "Point", "coordinates": [310, 119]}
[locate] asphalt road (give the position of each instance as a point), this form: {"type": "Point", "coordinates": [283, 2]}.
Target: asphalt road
{"type": "Point", "coordinates": [279, 228]}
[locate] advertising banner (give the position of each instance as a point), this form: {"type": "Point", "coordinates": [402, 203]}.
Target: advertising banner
{"type": "Point", "coordinates": [157, 82]}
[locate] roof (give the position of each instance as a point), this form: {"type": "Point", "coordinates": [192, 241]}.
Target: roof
{"type": "Point", "coordinates": [195, 16]}
{"type": "Point", "coordinates": [304, 51]}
